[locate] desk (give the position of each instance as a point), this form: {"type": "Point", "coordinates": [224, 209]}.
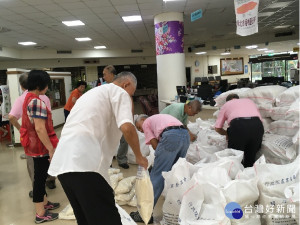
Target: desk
{"type": "Point", "coordinates": [169, 102]}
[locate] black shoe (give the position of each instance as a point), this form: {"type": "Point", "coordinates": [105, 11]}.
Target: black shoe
{"type": "Point", "coordinates": [51, 184]}
{"type": "Point", "coordinates": [124, 165]}
{"type": "Point", "coordinates": [30, 194]}
{"type": "Point", "coordinates": [138, 219]}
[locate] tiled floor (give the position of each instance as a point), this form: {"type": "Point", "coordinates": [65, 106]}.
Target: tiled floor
{"type": "Point", "coordinates": [16, 208]}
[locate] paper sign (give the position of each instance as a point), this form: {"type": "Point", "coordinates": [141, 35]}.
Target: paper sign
{"type": "Point", "coordinates": [196, 15]}
{"type": "Point", "coordinates": [246, 68]}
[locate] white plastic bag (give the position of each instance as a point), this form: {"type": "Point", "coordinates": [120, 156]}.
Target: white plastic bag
{"type": "Point", "coordinates": [144, 194]}
{"type": "Point", "coordinates": [125, 218]}
{"type": "Point", "coordinates": [143, 147]}
{"type": "Point", "coordinates": [114, 179]}
{"type": "Point", "coordinates": [125, 185]}
{"type": "Point", "coordinates": [67, 213]}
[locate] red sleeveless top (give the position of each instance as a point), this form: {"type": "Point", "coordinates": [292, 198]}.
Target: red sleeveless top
{"type": "Point", "coordinates": [29, 138]}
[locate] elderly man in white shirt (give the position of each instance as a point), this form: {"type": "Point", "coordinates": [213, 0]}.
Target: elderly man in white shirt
{"type": "Point", "coordinates": [88, 142]}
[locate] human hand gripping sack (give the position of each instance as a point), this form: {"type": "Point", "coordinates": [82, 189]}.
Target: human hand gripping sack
{"type": "Point", "coordinates": [142, 161]}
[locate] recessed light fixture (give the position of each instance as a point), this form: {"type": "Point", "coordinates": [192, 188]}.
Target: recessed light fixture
{"type": "Point", "coordinates": [278, 5]}
{"type": "Point", "coordinates": [200, 53]}
{"type": "Point", "coordinates": [282, 27]}
{"type": "Point", "coordinates": [27, 43]}
{"type": "Point", "coordinates": [171, 0]}
{"type": "Point", "coordinates": [132, 18]}
{"type": "Point", "coordinates": [298, 43]}
{"type": "Point", "coordinates": [269, 51]}
{"type": "Point", "coordinates": [262, 49]}
{"type": "Point", "coordinates": [225, 53]}
{"type": "Point", "coordinates": [251, 46]}
{"type": "Point", "coordinates": [73, 23]}
{"type": "Point", "coordinates": [100, 47]}
{"type": "Point", "coordinates": [83, 39]}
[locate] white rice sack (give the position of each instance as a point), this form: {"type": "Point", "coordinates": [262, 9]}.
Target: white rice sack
{"type": "Point", "coordinates": [296, 139]}
{"type": "Point", "coordinates": [205, 124]}
{"type": "Point", "coordinates": [272, 181]}
{"type": "Point", "coordinates": [114, 179]}
{"type": "Point", "coordinates": [293, 112]}
{"type": "Point", "coordinates": [249, 172]}
{"type": "Point", "coordinates": [198, 152]}
{"type": "Point", "coordinates": [287, 97]}
{"type": "Point", "coordinates": [203, 203]}
{"type": "Point", "coordinates": [125, 218]}
{"type": "Point", "coordinates": [232, 166]}
{"type": "Point", "coordinates": [284, 127]}
{"type": "Point", "coordinates": [266, 123]}
{"type": "Point", "coordinates": [144, 149]}
{"type": "Point", "coordinates": [112, 171]}
{"type": "Point", "coordinates": [215, 175]}
{"type": "Point", "coordinates": [216, 113]}
{"type": "Point", "coordinates": [125, 197]}
{"type": "Point", "coordinates": [193, 127]}
{"type": "Point", "coordinates": [144, 194]}
{"type": "Point", "coordinates": [179, 174]}
{"type": "Point", "coordinates": [292, 194]}
{"type": "Point", "coordinates": [231, 154]}
{"type": "Point", "coordinates": [278, 113]}
{"type": "Point", "coordinates": [278, 149]}
{"type": "Point", "coordinates": [264, 94]}
{"type": "Point", "coordinates": [125, 185]}
{"type": "Point", "coordinates": [265, 109]}
{"type": "Point", "coordinates": [67, 213]}
{"type": "Point", "coordinates": [221, 99]}
{"type": "Point", "coordinates": [151, 156]}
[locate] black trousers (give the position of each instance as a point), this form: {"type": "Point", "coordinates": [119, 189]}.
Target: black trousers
{"type": "Point", "coordinates": [66, 112]}
{"type": "Point", "coordinates": [246, 135]}
{"type": "Point", "coordinates": [41, 166]}
{"type": "Point", "coordinates": [91, 198]}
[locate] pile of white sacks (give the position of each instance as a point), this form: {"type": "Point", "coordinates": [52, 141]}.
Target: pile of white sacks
{"type": "Point", "coordinates": [279, 107]}
{"type": "Point", "coordinates": [198, 194]}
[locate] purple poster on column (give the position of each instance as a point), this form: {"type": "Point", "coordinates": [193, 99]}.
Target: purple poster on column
{"type": "Point", "coordinates": [169, 37]}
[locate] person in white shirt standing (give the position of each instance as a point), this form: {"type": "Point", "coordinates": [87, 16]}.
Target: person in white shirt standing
{"type": "Point", "coordinates": [88, 142]}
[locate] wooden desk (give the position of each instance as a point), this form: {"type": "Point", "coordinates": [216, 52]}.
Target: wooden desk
{"type": "Point", "coordinates": [169, 102]}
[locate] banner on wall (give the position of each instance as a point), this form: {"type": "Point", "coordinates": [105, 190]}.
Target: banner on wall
{"type": "Point", "coordinates": [5, 106]}
{"type": "Point", "coordinates": [246, 12]}
{"type": "Point", "coordinates": [169, 37]}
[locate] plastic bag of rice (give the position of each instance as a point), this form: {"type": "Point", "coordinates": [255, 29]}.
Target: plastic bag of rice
{"type": "Point", "coordinates": [144, 194]}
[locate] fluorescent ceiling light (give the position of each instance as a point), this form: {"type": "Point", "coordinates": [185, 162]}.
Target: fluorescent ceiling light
{"type": "Point", "coordinates": [269, 51]}
{"type": "Point", "coordinates": [100, 47]}
{"type": "Point", "coordinates": [200, 53]}
{"type": "Point", "coordinates": [251, 46]}
{"type": "Point", "coordinates": [278, 5]}
{"type": "Point", "coordinates": [27, 43]}
{"type": "Point", "coordinates": [83, 39]}
{"type": "Point", "coordinates": [265, 14]}
{"type": "Point", "coordinates": [298, 43]}
{"type": "Point", "coordinates": [132, 18]}
{"type": "Point", "coordinates": [281, 27]}
{"type": "Point", "coordinates": [171, 0]}
{"type": "Point", "coordinates": [73, 23]}
{"type": "Point", "coordinates": [262, 49]}
{"type": "Point", "coordinates": [225, 53]}
{"type": "Point", "coordinates": [292, 52]}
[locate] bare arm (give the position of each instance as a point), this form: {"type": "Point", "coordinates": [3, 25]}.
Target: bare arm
{"type": "Point", "coordinates": [14, 122]}
{"type": "Point", "coordinates": [193, 137]}
{"type": "Point", "coordinates": [40, 128]}
{"type": "Point", "coordinates": [131, 138]}
{"type": "Point", "coordinates": [221, 131]}
{"type": "Point", "coordinates": [154, 143]}
{"type": "Point", "coordinates": [74, 100]}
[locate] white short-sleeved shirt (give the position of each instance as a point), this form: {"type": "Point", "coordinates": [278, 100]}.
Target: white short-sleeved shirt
{"type": "Point", "coordinates": [91, 135]}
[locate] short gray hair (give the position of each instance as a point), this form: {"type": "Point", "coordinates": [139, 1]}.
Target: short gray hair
{"type": "Point", "coordinates": [140, 117]}
{"type": "Point", "coordinates": [111, 69]}
{"type": "Point", "coordinates": [196, 105]}
{"type": "Point", "coordinates": [23, 80]}
{"type": "Point", "coordinates": [125, 75]}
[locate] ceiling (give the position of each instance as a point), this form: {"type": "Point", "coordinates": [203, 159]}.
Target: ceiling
{"type": "Point", "coordinates": [40, 21]}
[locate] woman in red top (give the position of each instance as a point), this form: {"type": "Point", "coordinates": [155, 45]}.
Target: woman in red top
{"type": "Point", "coordinates": [78, 91]}
{"type": "Point", "coordinates": [39, 141]}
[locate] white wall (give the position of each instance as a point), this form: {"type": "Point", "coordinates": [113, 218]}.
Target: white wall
{"type": "Point", "coordinates": [206, 61]}
{"type": "Point", "coordinates": [13, 82]}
